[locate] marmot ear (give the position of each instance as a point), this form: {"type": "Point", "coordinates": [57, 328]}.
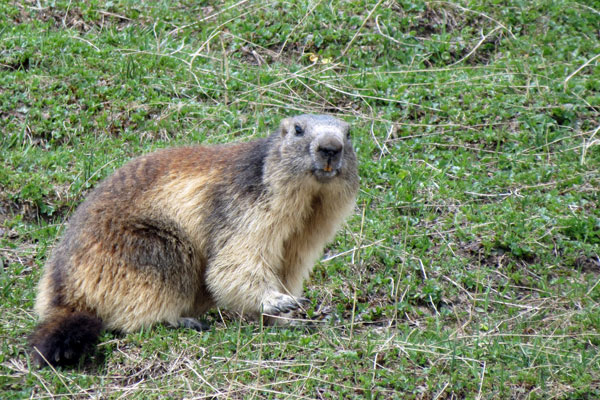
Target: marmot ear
{"type": "Point", "coordinates": [286, 126]}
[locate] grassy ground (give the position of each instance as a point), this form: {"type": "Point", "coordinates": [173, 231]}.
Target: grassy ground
{"type": "Point", "coordinates": [471, 266]}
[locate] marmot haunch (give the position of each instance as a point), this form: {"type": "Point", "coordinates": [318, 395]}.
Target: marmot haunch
{"type": "Point", "coordinates": [174, 233]}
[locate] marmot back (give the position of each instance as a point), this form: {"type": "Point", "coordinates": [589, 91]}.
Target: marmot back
{"type": "Point", "coordinates": [174, 233]}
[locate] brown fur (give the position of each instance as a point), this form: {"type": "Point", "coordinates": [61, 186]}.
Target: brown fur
{"type": "Point", "coordinates": [174, 233]}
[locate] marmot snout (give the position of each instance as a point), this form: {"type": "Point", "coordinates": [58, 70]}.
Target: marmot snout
{"type": "Point", "coordinates": [173, 233]}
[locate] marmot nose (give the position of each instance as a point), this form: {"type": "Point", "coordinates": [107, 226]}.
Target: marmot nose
{"type": "Point", "coordinates": [330, 150]}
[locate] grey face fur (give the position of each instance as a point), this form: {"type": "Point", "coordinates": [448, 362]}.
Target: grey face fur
{"type": "Point", "coordinates": [327, 141]}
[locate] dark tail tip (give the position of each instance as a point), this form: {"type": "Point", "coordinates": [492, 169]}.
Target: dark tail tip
{"type": "Point", "coordinates": [63, 338]}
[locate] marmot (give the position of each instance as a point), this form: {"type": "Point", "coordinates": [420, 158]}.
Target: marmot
{"type": "Point", "coordinates": [173, 233]}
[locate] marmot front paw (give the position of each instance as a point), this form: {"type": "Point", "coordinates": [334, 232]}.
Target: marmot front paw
{"type": "Point", "coordinates": [279, 303]}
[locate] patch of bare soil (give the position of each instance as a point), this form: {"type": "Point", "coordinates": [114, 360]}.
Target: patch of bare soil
{"type": "Point", "coordinates": [446, 18]}
{"type": "Point", "coordinates": [588, 264]}
{"type": "Point", "coordinates": [17, 115]}
{"type": "Point", "coordinates": [285, 53]}
{"type": "Point", "coordinates": [72, 18]}
{"type": "Point", "coordinates": [31, 212]}
{"type": "Point", "coordinates": [438, 18]}
{"type": "Point", "coordinates": [15, 59]}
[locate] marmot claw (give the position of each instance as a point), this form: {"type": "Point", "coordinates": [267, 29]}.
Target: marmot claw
{"type": "Point", "coordinates": [278, 303]}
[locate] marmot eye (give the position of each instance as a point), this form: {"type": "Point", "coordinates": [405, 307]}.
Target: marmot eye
{"type": "Point", "coordinates": [299, 130]}
{"type": "Point", "coordinates": [348, 134]}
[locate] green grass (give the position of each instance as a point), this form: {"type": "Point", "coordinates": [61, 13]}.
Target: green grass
{"type": "Point", "coordinates": [471, 266]}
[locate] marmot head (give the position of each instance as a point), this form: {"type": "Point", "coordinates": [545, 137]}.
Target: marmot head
{"type": "Point", "coordinates": [318, 144]}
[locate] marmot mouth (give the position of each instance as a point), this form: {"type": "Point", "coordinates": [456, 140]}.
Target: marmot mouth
{"type": "Point", "coordinates": [325, 175]}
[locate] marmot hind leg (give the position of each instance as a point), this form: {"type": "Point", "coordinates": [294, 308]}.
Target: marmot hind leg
{"type": "Point", "coordinates": [151, 277]}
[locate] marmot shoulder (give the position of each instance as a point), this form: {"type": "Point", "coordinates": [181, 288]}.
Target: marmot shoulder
{"type": "Point", "coordinates": [173, 233]}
